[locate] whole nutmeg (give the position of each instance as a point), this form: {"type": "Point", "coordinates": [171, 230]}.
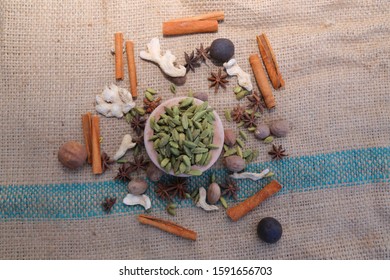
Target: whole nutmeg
{"type": "Point", "coordinates": [201, 96]}
{"type": "Point", "coordinates": [230, 137]}
{"type": "Point", "coordinates": [262, 131]}
{"type": "Point", "coordinates": [234, 163]}
{"type": "Point", "coordinates": [153, 172]}
{"type": "Point", "coordinates": [221, 50]}
{"type": "Point", "coordinates": [279, 128]}
{"type": "Point", "coordinates": [137, 186]}
{"type": "Point", "coordinates": [213, 193]}
{"type": "Point", "coordinates": [72, 154]}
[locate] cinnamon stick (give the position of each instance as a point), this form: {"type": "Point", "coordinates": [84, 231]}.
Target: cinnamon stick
{"type": "Point", "coordinates": [131, 68]}
{"type": "Point", "coordinates": [269, 59]}
{"type": "Point", "coordinates": [241, 209]}
{"type": "Point", "coordinates": [86, 123]}
{"type": "Point", "coordinates": [118, 55]}
{"type": "Point", "coordinates": [171, 28]}
{"type": "Point", "coordinates": [262, 81]}
{"type": "Point", "coordinates": [167, 226]}
{"type": "Point", "coordinates": [95, 140]}
{"type": "Point", "coordinates": [217, 15]}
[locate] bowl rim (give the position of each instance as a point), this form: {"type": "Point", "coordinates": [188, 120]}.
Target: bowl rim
{"type": "Point", "coordinates": [148, 132]}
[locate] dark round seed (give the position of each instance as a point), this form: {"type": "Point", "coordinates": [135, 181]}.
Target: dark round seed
{"type": "Point", "coordinates": [269, 230]}
{"type": "Point", "coordinates": [221, 50]}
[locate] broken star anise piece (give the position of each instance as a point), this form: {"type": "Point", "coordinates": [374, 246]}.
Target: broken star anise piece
{"type": "Point", "coordinates": [151, 105]}
{"type": "Point", "coordinates": [203, 54]}
{"type": "Point", "coordinates": [230, 189]}
{"type": "Point", "coordinates": [138, 124]}
{"type": "Point", "coordinates": [106, 161]}
{"type": "Point", "coordinates": [277, 152]}
{"type": "Point", "coordinates": [139, 140]}
{"type": "Point", "coordinates": [191, 62]}
{"type": "Point", "coordinates": [237, 113]}
{"type": "Point", "coordinates": [249, 119]}
{"type": "Point", "coordinates": [138, 164]}
{"type": "Point", "coordinates": [256, 102]}
{"type": "Point", "coordinates": [124, 173]}
{"type": "Point", "coordinates": [108, 203]}
{"type": "Point", "coordinates": [218, 80]}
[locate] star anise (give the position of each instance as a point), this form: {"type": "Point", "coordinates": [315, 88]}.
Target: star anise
{"type": "Point", "coordinates": [138, 124]}
{"type": "Point", "coordinates": [218, 80]}
{"type": "Point", "coordinates": [124, 173]}
{"type": "Point", "coordinates": [138, 164]}
{"type": "Point", "coordinates": [106, 161]}
{"type": "Point", "coordinates": [277, 152]}
{"type": "Point", "coordinates": [237, 113]}
{"type": "Point", "coordinates": [230, 189]}
{"type": "Point", "coordinates": [162, 191]}
{"type": "Point", "coordinates": [203, 54]}
{"type": "Point", "coordinates": [178, 188]}
{"type": "Point", "coordinates": [249, 120]}
{"type": "Point", "coordinates": [108, 203]}
{"type": "Point", "coordinates": [191, 62]}
{"type": "Point", "coordinates": [151, 105]}
{"type": "Point", "coordinates": [256, 102]}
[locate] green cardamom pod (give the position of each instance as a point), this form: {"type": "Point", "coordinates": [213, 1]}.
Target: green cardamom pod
{"type": "Point", "coordinates": [268, 140]}
{"type": "Point", "coordinates": [164, 162]}
{"type": "Point", "coordinates": [252, 128]}
{"type": "Point", "coordinates": [168, 167]}
{"type": "Point", "coordinates": [199, 115]}
{"type": "Point", "coordinates": [182, 168]}
{"type": "Point", "coordinates": [194, 172]}
{"type": "Point", "coordinates": [246, 153]}
{"type": "Point", "coordinates": [212, 146]}
{"type": "Point", "coordinates": [152, 91]}
{"type": "Point", "coordinates": [163, 141]}
{"type": "Point", "coordinates": [189, 144]}
{"type": "Point", "coordinates": [184, 121]}
{"type": "Point", "coordinates": [171, 211]}
{"type": "Point", "coordinates": [230, 152]}
{"type": "Point", "coordinates": [128, 117]}
{"type": "Point", "coordinates": [186, 160]}
{"type": "Point", "coordinates": [243, 135]}
{"type": "Point", "coordinates": [241, 95]}
{"type": "Point", "coordinates": [140, 110]}
{"type": "Point", "coordinates": [173, 88]}
{"type": "Point", "coordinates": [228, 115]}
{"type": "Point", "coordinates": [223, 202]}
{"type": "Point", "coordinates": [149, 96]}
{"type": "Point", "coordinates": [186, 102]}
{"type": "Point", "coordinates": [240, 143]}
{"type": "Point", "coordinates": [269, 174]}
{"type": "Point", "coordinates": [200, 150]}
{"type": "Point", "coordinates": [239, 152]}
{"type": "Point", "coordinates": [237, 89]}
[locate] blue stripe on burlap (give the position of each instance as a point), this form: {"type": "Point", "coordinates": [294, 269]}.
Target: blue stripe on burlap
{"type": "Point", "coordinates": [296, 174]}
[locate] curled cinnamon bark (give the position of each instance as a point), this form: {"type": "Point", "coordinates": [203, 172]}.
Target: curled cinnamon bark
{"type": "Point", "coordinates": [241, 209]}
{"type": "Point", "coordinates": [262, 81]}
{"type": "Point", "coordinates": [269, 60]}
{"type": "Point", "coordinates": [167, 226]}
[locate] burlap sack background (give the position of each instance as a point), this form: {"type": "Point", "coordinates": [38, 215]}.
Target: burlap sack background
{"type": "Point", "coordinates": [334, 55]}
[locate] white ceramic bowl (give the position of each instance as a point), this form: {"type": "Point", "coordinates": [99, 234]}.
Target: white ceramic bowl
{"type": "Point", "coordinates": [218, 136]}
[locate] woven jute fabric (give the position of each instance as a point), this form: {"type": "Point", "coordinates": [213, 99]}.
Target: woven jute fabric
{"type": "Point", "coordinates": [334, 56]}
